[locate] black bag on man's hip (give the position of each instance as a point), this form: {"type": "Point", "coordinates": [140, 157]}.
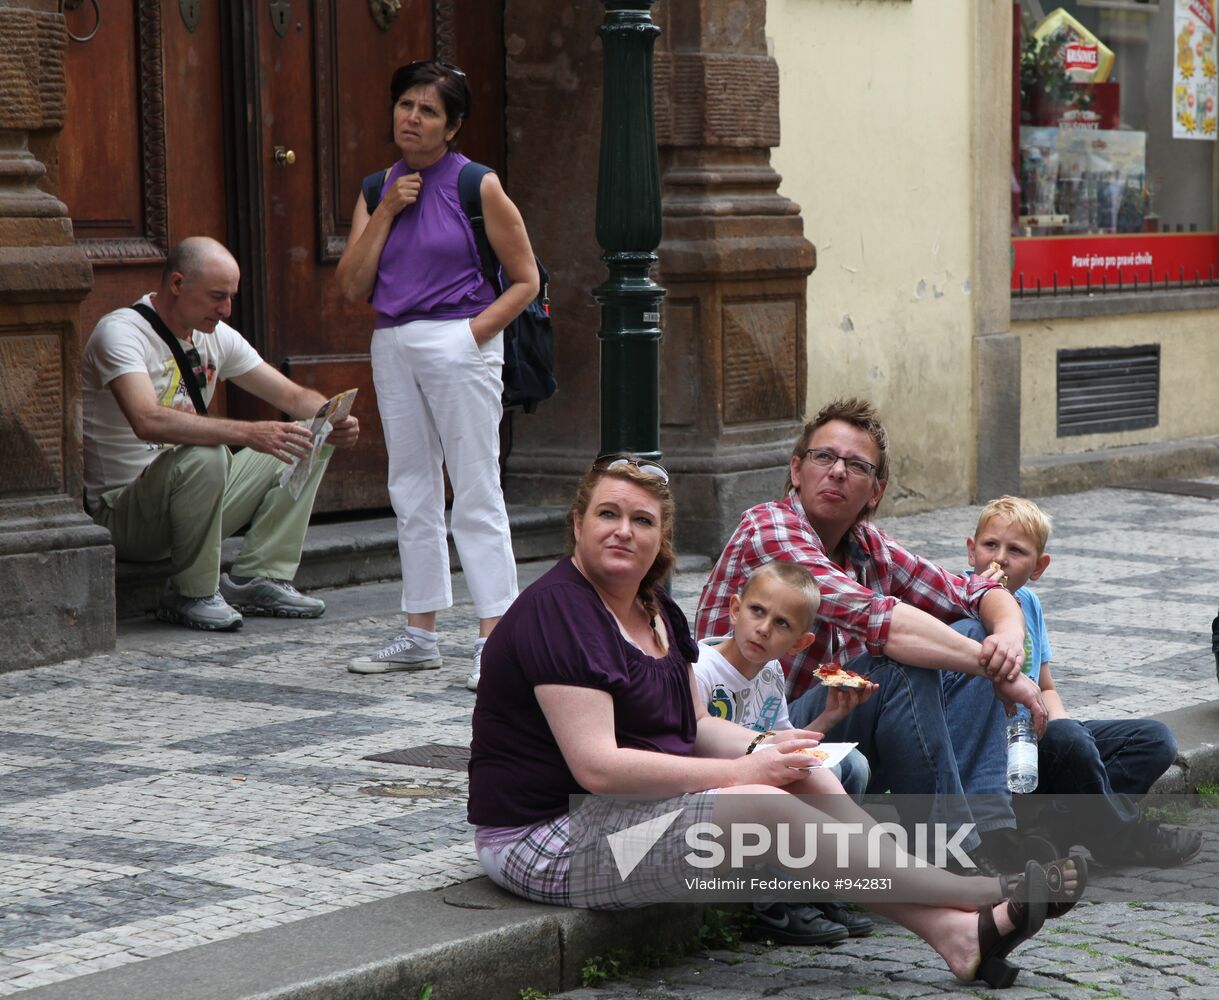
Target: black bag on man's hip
{"type": "Point", "coordinates": [529, 339]}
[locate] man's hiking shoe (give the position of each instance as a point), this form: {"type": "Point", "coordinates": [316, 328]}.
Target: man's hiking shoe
{"type": "Point", "coordinates": [414, 649]}
{"type": "Point", "coordinates": [1151, 843]}
{"type": "Point", "coordinates": [796, 923]}
{"type": "Point", "coordinates": [1167, 846]}
{"type": "Point", "coordinates": [212, 614]}
{"type": "Point", "coordinates": [269, 598]}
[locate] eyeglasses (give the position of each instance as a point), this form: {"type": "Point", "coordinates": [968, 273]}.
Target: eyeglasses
{"type": "Point", "coordinates": [448, 67]}
{"type": "Point", "coordinates": [609, 462]}
{"type": "Point", "coordinates": [827, 460]}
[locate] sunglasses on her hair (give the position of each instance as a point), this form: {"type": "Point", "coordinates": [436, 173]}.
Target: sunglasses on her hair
{"type": "Point", "coordinates": [647, 468]}
{"type": "Point", "coordinates": [448, 67]}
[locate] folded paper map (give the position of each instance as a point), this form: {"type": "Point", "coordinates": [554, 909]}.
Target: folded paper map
{"type": "Point", "coordinates": [296, 473]}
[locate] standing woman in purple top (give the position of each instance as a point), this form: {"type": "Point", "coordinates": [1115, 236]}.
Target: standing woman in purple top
{"type": "Point", "coordinates": [437, 354]}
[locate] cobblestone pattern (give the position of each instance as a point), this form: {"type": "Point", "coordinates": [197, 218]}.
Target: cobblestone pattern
{"type": "Point", "coordinates": [1153, 950]}
{"type": "Point", "coordinates": [193, 787]}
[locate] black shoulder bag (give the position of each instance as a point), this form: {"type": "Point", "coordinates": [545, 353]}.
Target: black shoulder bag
{"type": "Point", "coordinates": [184, 366]}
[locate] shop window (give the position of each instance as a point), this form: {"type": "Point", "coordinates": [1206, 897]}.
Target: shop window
{"type": "Point", "coordinates": [1114, 161]}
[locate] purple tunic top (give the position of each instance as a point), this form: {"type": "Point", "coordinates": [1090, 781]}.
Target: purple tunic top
{"type": "Point", "coordinates": [558, 632]}
{"type": "Point", "coordinates": [429, 265]}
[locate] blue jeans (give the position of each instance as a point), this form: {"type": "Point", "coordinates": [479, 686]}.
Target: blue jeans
{"type": "Point", "coordinates": [903, 733]}
{"type": "Point", "coordinates": [977, 724]}
{"type": "Point", "coordinates": [1114, 763]}
{"type": "Point", "coordinates": [854, 773]}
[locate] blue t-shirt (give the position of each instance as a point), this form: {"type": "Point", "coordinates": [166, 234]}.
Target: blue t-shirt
{"type": "Point", "coordinates": [1036, 640]}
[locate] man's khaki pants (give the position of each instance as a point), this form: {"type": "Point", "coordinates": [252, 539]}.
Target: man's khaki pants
{"type": "Point", "coordinates": [192, 497]}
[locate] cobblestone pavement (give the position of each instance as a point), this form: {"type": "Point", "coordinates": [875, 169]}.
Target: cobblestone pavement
{"type": "Point", "coordinates": [192, 787]}
{"type": "Point", "coordinates": [1109, 950]}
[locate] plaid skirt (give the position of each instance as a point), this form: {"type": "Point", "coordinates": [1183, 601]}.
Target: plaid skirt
{"type": "Point", "coordinates": [570, 860]}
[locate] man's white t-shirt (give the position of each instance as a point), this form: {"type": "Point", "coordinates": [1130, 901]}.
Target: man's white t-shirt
{"type": "Point", "coordinates": [759, 704]}
{"type": "Point", "coordinates": [124, 342]}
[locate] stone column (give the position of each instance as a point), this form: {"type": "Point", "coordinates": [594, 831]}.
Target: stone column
{"type": "Point", "coordinates": [735, 263]}
{"type": "Point", "coordinates": [58, 567]}
{"type": "Point", "coordinates": [996, 349]}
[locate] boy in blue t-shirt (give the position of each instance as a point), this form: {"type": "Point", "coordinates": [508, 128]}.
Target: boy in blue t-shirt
{"type": "Point", "coordinates": [1118, 759]}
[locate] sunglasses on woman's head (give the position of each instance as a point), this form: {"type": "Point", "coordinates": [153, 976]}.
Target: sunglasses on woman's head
{"type": "Point", "coordinates": [610, 462]}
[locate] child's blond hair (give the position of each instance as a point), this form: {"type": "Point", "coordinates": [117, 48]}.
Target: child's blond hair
{"type": "Point", "coordinates": [792, 575]}
{"type": "Point", "coordinates": [1021, 512]}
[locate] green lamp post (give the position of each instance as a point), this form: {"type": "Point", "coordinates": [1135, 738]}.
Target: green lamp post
{"type": "Point", "coordinates": [628, 230]}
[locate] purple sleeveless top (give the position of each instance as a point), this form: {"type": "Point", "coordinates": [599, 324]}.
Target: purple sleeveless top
{"type": "Point", "coordinates": [429, 266]}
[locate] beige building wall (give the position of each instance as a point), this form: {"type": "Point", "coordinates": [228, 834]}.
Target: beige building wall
{"type": "Point", "coordinates": [1189, 359]}
{"type": "Point", "coordinates": [877, 105]}
{"type": "Point", "coordinates": [895, 120]}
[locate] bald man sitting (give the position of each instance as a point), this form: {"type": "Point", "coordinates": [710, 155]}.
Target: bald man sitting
{"type": "Point", "coordinates": [161, 477]}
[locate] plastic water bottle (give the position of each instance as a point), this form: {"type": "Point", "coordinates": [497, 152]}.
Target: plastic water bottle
{"type": "Point", "coordinates": [1021, 754]}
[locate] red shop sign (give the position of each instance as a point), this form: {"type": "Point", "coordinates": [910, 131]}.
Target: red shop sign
{"type": "Point", "coordinates": [1057, 261]}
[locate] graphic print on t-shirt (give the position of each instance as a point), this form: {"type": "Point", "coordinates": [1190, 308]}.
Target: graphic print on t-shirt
{"type": "Point", "coordinates": [748, 707]}
{"type": "Point", "coordinates": [176, 394]}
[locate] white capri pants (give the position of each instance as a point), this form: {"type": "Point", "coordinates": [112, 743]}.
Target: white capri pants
{"type": "Point", "coordinates": [439, 395]}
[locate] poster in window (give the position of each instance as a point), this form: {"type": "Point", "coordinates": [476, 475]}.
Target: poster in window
{"type": "Point", "coordinates": [1195, 91]}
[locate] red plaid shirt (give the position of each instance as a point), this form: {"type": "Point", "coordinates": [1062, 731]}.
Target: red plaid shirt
{"type": "Point", "coordinates": [856, 603]}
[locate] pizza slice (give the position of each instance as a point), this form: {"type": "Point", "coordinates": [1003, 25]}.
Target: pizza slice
{"type": "Point", "coordinates": [836, 675]}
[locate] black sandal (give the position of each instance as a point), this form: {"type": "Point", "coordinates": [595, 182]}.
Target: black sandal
{"type": "Point", "coordinates": [1060, 900]}
{"type": "Point", "coordinates": [1027, 909]}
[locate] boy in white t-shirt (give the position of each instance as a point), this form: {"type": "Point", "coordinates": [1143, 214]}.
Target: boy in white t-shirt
{"type": "Point", "coordinates": [739, 678]}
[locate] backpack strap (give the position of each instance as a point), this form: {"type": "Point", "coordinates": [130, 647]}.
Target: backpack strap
{"type": "Point", "coordinates": [184, 367]}
{"type": "Point", "coordinates": [372, 185]}
{"type": "Point", "coordinates": [469, 191]}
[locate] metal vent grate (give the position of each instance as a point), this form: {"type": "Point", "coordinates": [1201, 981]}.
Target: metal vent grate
{"type": "Point", "coordinates": [1108, 389]}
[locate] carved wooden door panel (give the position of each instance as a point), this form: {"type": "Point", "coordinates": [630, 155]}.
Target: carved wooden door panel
{"type": "Point", "coordinates": [322, 123]}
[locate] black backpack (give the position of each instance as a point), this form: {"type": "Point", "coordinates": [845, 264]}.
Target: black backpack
{"type": "Point", "coordinates": [529, 339]}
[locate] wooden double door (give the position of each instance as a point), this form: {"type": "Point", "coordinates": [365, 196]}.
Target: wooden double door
{"type": "Point", "coordinates": [254, 123]}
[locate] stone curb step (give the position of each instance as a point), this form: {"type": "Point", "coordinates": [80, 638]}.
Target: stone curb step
{"type": "Point", "coordinates": [469, 941]}
{"type": "Point", "coordinates": [1196, 729]}
{"type": "Point", "coordinates": [343, 553]}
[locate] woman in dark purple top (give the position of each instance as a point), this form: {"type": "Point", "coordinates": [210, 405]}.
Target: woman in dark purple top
{"type": "Point", "coordinates": [587, 688]}
{"type": "Point", "coordinates": [437, 353]}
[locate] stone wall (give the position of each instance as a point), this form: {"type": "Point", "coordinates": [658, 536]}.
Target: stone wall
{"type": "Point", "coordinates": [733, 257]}
{"type": "Point", "coordinates": [58, 567]}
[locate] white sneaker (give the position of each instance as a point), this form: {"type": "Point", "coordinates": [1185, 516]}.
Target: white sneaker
{"type": "Point", "coordinates": [414, 649]}
{"type": "Point", "coordinates": [472, 680]}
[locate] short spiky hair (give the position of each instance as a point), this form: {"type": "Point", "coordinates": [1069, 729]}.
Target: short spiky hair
{"type": "Point", "coordinates": [1023, 513]}
{"type": "Point", "coordinates": [791, 575]}
{"type": "Point", "coordinates": [856, 412]}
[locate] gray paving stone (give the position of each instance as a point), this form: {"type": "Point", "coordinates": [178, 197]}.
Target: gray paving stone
{"type": "Point", "coordinates": [127, 761]}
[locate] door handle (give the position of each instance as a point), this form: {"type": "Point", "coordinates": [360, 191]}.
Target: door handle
{"type": "Point", "coordinates": [284, 157]}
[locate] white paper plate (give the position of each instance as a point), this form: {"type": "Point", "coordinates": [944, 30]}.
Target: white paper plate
{"type": "Point", "coordinates": [836, 752]}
